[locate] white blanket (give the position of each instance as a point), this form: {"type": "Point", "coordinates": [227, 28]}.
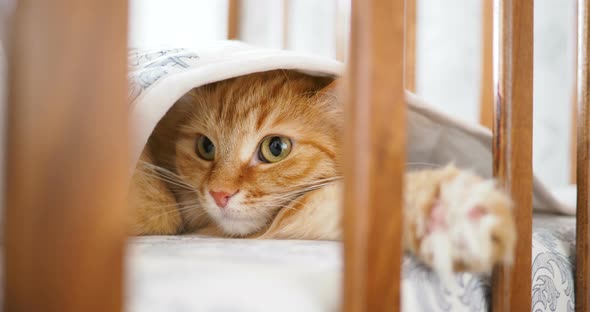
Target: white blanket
{"type": "Point", "coordinates": [192, 273]}
{"type": "Point", "coordinates": [158, 78]}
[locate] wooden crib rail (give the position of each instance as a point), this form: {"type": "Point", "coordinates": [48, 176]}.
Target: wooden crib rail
{"type": "Point", "coordinates": [486, 99]}
{"type": "Point", "coordinates": [374, 157]}
{"type": "Point", "coordinates": [233, 19]}
{"type": "Point", "coordinates": [574, 109]}
{"type": "Point", "coordinates": [582, 287]}
{"type": "Point", "coordinates": [67, 156]}
{"type": "Point", "coordinates": [513, 144]}
{"type": "Point", "coordinates": [410, 17]}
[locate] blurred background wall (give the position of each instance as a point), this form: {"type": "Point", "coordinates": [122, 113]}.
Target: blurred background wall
{"type": "Point", "coordinates": [448, 52]}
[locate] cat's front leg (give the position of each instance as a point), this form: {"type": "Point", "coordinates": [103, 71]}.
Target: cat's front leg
{"type": "Point", "coordinates": [453, 220]}
{"type": "Point", "coordinates": [457, 221]}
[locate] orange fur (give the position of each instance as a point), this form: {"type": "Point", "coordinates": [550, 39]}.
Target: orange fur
{"type": "Point", "coordinates": [153, 207]}
{"type": "Point", "coordinates": [299, 196]}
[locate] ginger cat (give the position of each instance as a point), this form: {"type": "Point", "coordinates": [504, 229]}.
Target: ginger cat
{"type": "Point", "coordinates": [258, 156]}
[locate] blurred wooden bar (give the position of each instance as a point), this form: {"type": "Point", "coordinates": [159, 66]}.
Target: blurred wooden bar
{"type": "Point", "coordinates": [233, 19]}
{"type": "Point", "coordinates": [583, 207]}
{"type": "Point", "coordinates": [373, 176]}
{"type": "Point", "coordinates": [513, 145]}
{"type": "Point", "coordinates": [67, 156]}
{"type": "Point", "coordinates": [410, 45]}
{"type": "Point", "coordinates": [486, 103]}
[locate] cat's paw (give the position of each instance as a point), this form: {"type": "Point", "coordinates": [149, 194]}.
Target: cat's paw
{"type": "Point", "coordinates": [470, 226]}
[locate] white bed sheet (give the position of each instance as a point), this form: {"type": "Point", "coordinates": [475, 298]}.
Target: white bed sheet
{"type": "Point", "coordinates": [192, 273]}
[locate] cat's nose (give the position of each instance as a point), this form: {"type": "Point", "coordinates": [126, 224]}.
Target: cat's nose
{"type": "Point", "coordinates": [222, 198]}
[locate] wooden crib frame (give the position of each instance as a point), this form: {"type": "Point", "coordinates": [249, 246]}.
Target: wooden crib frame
{"type": "Point", "coordinates": [66, 169]}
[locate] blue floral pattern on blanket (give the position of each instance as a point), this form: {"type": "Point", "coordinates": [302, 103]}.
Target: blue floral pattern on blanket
{"type": "Point", "coordinates": [552, 280]}
{"type": "Point", "coordinates": [553, 262]}
{"type": "Point", "coordinates": [147, 67]}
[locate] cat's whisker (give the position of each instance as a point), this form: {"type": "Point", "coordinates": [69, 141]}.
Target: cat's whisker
{"type": "Point", "coordinates": [425, 164]}
{"type": "Point", "coordinates": [187, 202]}
{"type": "Point", "coordinates": [180, 205]}
{"type": "Point", "coordinates": [165, 173]}
{"type": "Point", "coordinates": [179, 210]}
{"type": "Point", "coordinates": [315, 182]}
{"type": "Point", "coordinates": [300, 190]}
{"type": "Point", "coordinates": [285, 205]}
{"type": "Point", "coordinates": [176, 183]}
{"type": "Point", "coordinates": [270, 206]}
{"type": "Point", "coordinates": [280, 200]}
{"type": "Point", "coordinates": [296, 202]}
{"type": "Point", "coordinates": [184, 192]}
{"type": "Point", "coordinates": [164, 206]}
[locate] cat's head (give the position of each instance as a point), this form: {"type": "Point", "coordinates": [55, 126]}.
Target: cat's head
{"type": "Point", "coordinates": [252, 144]}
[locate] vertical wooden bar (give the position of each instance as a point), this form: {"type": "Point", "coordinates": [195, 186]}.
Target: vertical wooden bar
{"type": "Point", "coordinates": [513, 144]}
{"type": "Point", "coordinates": [410, 45]}
{"type": "Point", "coordinates": [574, 142]}
{"type": "Point", "coordinates": [375, 119]}
{"type": "Point", "coordinates": [233, 19]}
{"type": "Point", "coordinates": [574, 122]}
{"type": "Point", "coordinates": [486, 103]}
{"type": "Point", "coordinates": [583, 210]}
{"type": "Point", "coordinates": [67, 156]}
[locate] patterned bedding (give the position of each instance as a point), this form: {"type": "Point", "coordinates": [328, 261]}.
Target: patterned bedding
{"type": "Point", "coordinates": [192, 273]}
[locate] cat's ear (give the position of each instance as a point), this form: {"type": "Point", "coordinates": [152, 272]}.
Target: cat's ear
{"type": "Point", "coordinates": [331, 94]}
{"type": "Point", "coordinates": [332, 88]}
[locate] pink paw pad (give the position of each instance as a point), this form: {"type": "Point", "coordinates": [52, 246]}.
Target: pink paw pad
{"type": "Point", "coordinates": [437, 221]}
{"type": "Point", "coordinates": [476, 213]}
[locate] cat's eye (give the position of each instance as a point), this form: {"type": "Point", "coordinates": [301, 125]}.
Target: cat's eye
{"type": "Point", "coordinates": [205, 148]}
{"type": "Point", "coordinates": [274, 149]}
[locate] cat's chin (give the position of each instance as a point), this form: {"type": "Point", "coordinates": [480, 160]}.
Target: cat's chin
{"type": "Point", "coordinates": [237, 226]}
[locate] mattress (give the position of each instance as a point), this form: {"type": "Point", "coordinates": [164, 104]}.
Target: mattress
{"type": "Point", "coordinates": [197, 273]}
